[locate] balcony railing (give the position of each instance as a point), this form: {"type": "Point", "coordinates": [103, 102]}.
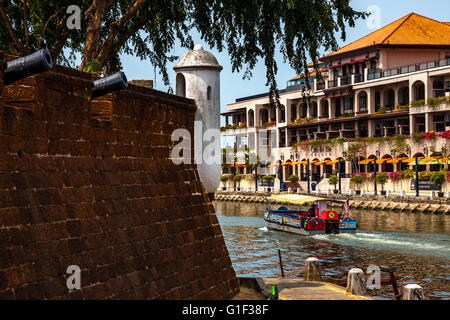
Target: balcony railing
{"type": "Point", "coordinates": [378, 73]}
{"type": "Point", "coordinates": [358, 78]}
{"type": "Point", "coordinates": [320, 85]}
{"type": "Point", "coordinates": [346, 80]}
{"type": "Point", "coordinates": [332, 83]}
{"type": "Point", "coordinates": [374, 74]}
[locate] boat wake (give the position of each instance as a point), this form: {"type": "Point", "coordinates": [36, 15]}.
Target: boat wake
{"type": "Point", "coordinates": [394, 241]}
{"type": "Point", "coordinates": [263, 229]}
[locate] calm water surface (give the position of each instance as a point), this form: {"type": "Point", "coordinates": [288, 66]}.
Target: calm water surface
{"type": "Point", "coordinates": [416, 245]}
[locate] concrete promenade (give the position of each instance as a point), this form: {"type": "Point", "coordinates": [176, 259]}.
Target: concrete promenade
{"type": "Point", "coordinates": [366, 202]}
{"type": "Point", "coordinates": [299, 289]}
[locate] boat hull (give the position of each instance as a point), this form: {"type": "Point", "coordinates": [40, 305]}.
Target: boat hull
{"type": "Point", "coordinates": [301, 231]}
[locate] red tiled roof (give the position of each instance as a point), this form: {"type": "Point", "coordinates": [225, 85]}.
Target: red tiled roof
{"type": "Point", "coordinates": [412, 29]}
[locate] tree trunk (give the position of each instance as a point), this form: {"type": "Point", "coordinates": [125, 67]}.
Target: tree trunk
{"type": "Point", "coordinates": [356, 282]}
{"type": "Point", "coordinates": [412, 292]}
{"type": "Point", "coordinates": [94, 17]}
{"type": "Point", "coordinates": [312, 270]}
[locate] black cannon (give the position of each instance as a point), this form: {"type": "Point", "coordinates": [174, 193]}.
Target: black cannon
{"type": "Point", "coordinates": [23, 67]}
{"type": "Point", "coordinates": [117, 81]}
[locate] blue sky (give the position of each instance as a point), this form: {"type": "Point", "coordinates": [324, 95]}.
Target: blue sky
{"type": "Point", "coordinates": [232, 84]}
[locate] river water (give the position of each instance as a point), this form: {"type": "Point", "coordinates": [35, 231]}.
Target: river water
{"type": "Point", "coordinates": [416, 245]}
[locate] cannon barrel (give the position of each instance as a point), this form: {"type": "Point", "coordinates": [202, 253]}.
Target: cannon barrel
{"type": "Point", "coordinates": [23, 67]}
{"type": "Point", "coordinates": [117, 81]}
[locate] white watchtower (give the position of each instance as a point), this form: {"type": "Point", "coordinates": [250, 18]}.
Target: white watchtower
{"type": "Point", "coordinates": [198, 78]}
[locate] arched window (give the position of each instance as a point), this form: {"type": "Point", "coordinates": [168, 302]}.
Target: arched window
{"type": "Point", "coordinates": [389, 98]}
{"type": "Point", "coordinates": [419, 91]}
{"type": "Point", "coordinates": [251, 118]}
{"type": "Point", "coordinates": [314, 109]}
{"type": "Point", "coordinates": [325, 110]}
{"type": "Point", "coordinates": [181, 85]}
{"type": "Point", "coordinates": [208, 93]}
{"type": "Point", "coordinates": [293, 112]}
{"type": "Point", "coordinates": [363, 101]}
{"type": "Point", "coordinates": [377, 101]}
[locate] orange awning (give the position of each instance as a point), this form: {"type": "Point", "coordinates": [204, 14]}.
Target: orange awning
{"type": "Point", "coordinates": [272, 165]}
{"type": "Point", "coordinates": [367, 161]}
{"type": "Point", "coordinates": [396, 160]}
{"type": "Point", "coordinates": [296, 163]}
{"type": "Point", "coordinates": [411, 160]}
{"type": "Point", "coordinates": [380, 161]}
{"type": "Point", "coordinates": [430, 159]}
{"type": "Point", "coordinates": [322, 162]}
{"type": "Point", "coordinates": [332, 162]}
{"type": "Point", "coordinates": [286, 163]}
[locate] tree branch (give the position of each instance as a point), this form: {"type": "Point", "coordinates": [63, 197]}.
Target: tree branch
{"type": "Point", "coordinates": [25, 24]}
{"type": "Point", "coordinates": [10, 29]}
{"type": "Point", "coordinates": [115, 28]}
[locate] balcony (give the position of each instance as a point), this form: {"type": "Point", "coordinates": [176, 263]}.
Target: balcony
{"type": "Point", "coordinates": [320, 85]}
{"type": "Point", "coordinates": [378, 73]}
{"type": "Point", "coordinates": [332, 83]}
{"type": "Point", "coordinates": [440, 104]}
{"type": "Point", "coordinates": [346, 80]}
{"type": "Point", "coordinates": [374, 74]}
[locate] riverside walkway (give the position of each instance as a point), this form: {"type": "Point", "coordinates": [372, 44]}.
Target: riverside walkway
{"type": "Point", "coordinates": [299, 289]}
{"type": "Point", "coordinates": [406, 204]}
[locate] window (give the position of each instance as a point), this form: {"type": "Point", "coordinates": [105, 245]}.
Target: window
{"type": "Point", "coordinates": [293, 112]}
{"type": "Point", "coordinates": [348, 104]}
{"type": "Point", "coordinates": [208, 93]}
{"type": "Point", "coordinates": [338, 107]}
{"type": "Point", "coordinates": [377, 101]}
{"type": "Point", "coordinates": [363, 102]}
{"type": "Point", "coordinates": [181, 85]}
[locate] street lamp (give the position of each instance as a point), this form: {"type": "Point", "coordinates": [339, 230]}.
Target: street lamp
{"type": "Point", "coordinates": [340, 171]}
{"type": "Point", "coordinates": [307, 176]}
{"type": "Point", "coordinates": [444, 155]}
{"type": "Point", "coordinates": [234, 166]}
{"type": "Point", "coordinates": [377, 155]}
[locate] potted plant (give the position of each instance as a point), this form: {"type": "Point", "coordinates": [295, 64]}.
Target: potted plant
{"type": "Point", "coordinates": [224, 179]}
{"type": "Point", "coordinates": [357, 179]}
{"type": "Point", "coordinates": [237, 179]}
{"type": "Point", "coordinates": [268, 180]}
{"type": "Point", "coordinates": [382, 179]}
{"type": "Point", "coordinates": [438, 178]}
{"type": "Point", "coordinates": [333, 180]}
{"type": "Point", "coordinates": [294, 179]}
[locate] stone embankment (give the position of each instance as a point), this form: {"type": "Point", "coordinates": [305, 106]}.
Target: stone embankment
{"type": "Point", "coordinates": [382, 203]}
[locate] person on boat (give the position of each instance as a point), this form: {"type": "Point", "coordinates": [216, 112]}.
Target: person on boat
{"type": "Point", "coordinates": [312, 211]}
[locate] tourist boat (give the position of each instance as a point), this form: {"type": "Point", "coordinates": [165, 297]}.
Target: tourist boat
{"type": "Point", "coordinates": [320, 220]}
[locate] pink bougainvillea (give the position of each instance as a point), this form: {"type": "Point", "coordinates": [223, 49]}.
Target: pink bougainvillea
{"type": "Point", "coordinates": [396, 176]}
{"type": "Point", "coordinates": [445, 135]}
{"type": "Point", "coordinates": [431, 135]}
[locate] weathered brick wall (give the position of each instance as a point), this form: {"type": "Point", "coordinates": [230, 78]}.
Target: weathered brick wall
{"type": "Point", "coordinates": [91, 184]}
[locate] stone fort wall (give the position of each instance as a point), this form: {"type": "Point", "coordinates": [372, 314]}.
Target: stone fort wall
{"type": "Point", "coordinates": [90, 183]}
